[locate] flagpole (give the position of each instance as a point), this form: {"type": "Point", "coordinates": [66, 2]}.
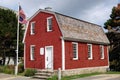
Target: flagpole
{"type": "Point", "coordinates": [17, 48]}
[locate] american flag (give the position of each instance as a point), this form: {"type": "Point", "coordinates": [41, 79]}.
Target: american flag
{"type": "Point", "coordinates": [22, 16]}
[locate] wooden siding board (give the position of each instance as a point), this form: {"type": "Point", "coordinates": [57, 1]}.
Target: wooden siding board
{"type": "Point", "coordinates": [83, 60]}
{"type": "Point", "coordinates": [42, 38]}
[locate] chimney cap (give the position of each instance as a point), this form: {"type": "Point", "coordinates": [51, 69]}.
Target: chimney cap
{"type": "Point", "coordinates": [48, 8]}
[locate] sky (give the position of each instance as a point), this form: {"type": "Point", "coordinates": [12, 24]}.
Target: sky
{"type": "Point", "coordinates": [94, 11]}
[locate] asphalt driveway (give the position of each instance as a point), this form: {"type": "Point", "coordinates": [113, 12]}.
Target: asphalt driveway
{"type": "Point", "coordinates": [12, 77]}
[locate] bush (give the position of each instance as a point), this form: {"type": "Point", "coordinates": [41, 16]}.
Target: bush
{"type": "Point", "coordinates": [30, 72]}
{"type": "Point", "coordinates": [9, 69]}
{"type": "Point", "coordinates": [20, 68]}
{"type": "Point", "coordinates": [1, 69]}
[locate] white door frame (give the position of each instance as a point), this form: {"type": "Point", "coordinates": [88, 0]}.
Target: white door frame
{"type": "Point", "coordinates": [46, 65]}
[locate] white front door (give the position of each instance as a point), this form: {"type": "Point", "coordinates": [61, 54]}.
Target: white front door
{"type": "Point", "coordinates": [49, 57]}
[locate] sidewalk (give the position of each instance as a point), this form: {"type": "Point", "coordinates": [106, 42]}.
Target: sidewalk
{"type": "Point", "coordinates": [13, 77]}
{"type": "Point", "coordinates": [102, 77]}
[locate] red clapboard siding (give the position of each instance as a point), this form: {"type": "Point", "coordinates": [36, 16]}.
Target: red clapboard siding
{"type": "Point", "coordinates": [43, 38]}
{"type": "Point", "coordinates": [83, 60]}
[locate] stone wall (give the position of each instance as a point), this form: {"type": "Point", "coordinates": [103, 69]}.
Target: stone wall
{"type": "Point", "coordinates": [84, 70]}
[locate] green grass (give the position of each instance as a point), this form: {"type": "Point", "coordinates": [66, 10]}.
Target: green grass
{"type": "Point", "coordinates": [112, 72]}
{"type": "Point", "coordinates": [79, 76]}
{"type": "Point", "coordinates": [82, 75]}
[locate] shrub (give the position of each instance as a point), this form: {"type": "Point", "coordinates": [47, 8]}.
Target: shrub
{"type": "Point", "coordinates": [1, 69]}
{"type": "Point", "coordinates": [9, 69]}
{"type": "Point", "coordinates": [20, 68]}
{"type": "Point", "coordinates": [30, 72]}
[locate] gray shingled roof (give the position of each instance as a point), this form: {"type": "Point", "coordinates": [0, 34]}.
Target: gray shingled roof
{"type": "Point", "coordinates": [78, 30]}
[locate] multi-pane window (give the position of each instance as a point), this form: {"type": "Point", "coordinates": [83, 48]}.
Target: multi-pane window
{"type": "Point", "coordinates": [75, 50]}
{"type": "Point", "coordinates": [49, 24]}
{"type": "Point", "coordinates": [101, 52]}
{"type": "Point", "coordinates": [32, 29]}
{"type": "Point", "coordinates": [90, 51]}
{"type": "Point", "coordinates": [32, 52]}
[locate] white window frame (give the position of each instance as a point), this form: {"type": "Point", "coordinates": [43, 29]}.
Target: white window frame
{"type": "Point", "coordinates": [32, 55]}
{"type": "Point", "coordinates": [91, 53]}
{"type": "Point", "coordinates": [31, 28]}
{"type": "Point", "coordinates": [48, 28]}
{"type": "Point", "coordinates": [102, 52]}
{"type": "Point", "coordinates": [76, 58]}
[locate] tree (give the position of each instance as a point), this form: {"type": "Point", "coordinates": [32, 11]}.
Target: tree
{"type": "Point", "coordinates": [113, 26]}
{"type": "Point", "coordinates": [8, 32]}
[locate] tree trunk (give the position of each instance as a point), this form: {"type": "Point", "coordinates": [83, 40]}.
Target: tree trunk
{"type": "Point", "coordinates": [8, 60]}
{"type": "Point", "coordinates": [4, 57]}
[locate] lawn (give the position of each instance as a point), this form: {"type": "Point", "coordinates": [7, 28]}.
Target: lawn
{"type": "Point", "coordinates": [82, 75]}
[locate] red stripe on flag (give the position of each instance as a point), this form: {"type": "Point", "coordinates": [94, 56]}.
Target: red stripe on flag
{"type": "Point", "coordinates": [22, 16]}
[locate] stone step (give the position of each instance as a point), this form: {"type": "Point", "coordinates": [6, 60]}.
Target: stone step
{"type": "Point", "coordinates": [43, 74]}
{"type": "Point", "coordinates": [46, 71]}
{"type": "Point", "coordinates": [41, 77]}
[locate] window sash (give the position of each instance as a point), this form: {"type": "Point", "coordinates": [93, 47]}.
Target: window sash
{"type": "Point", "coordinates": [49, 24]}
{"type": "Point", "coordinates": [32, 27]}
{"type": "Point", "coordinates": [101, 51]}
{"type": "Point", "coordinates": [32, 52]}
{"type": "Point", "coordinates": [75, 50]}
{"type": "Point", "coordinates": [89, 51]}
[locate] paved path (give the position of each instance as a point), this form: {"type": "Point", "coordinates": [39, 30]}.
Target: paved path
{"type": "Point", "coordinates": [97, 77]}
{"type": "Point", "coordinates": [12, 77]}
{"type": "Point", "coordinates": [102, 77]}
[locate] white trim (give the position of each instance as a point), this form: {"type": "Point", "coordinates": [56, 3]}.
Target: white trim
{"type": "Point", "coordinates": [40, 10]}
{"type": "Point", "coordinates": [102, 54]}
{"type": "Point", "coordinates": [31, 27]}
{"type": "Point", "coordinates": [91, 53]}
{"type": "Point", "coordinates": [24, 55]}
{"type": "Point", "coordinates": [52, 56]}
{"type": "Point", "coordinates": [25, 33]}
{"type": "Point", "coordinates": [76, 50]}
{"type": "Point", "coordinates": [48, 23]}
{"type": "Point", "coordinates": [63, 53]}
{"type": "Point", "coordinates": [31, 56]}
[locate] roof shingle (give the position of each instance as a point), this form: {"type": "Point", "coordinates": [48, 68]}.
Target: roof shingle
{"type": "Point", "coordinates": [74, 29]}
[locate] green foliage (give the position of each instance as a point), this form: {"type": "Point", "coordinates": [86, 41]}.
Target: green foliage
{"type": "Point", "coordinates": [21, 68]}
{"type": "Point", "coordinates": [113, 72]}
{"type": "Point", "coordinates": [53, 78]}
{"type": "Point", "coordinates": [30, 72]}
{"type": "Point", "coordinates": [113, 26]}
{"type": "Point", "coordinates": [74, 76]}
{"type": "Point", "coordinates": [7, 69]}
{"type": "Point", "coordinates": [1, 69]}
{"type": "Point", "coordinates": [114, 20]}
{"type": "Point", "coordinates": [8, 32]}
